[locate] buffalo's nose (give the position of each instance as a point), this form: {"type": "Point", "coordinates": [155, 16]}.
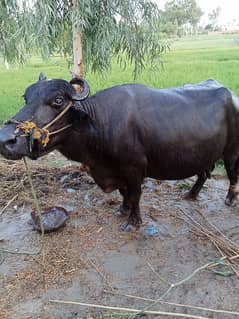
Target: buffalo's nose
{"type": "Point", "coordinates": [6, 137]}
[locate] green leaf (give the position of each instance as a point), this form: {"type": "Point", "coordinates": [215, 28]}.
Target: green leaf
{"type": "Point", "coordinates": [185, 185]}
{"type": "Point", "coordinates": [226, 273]}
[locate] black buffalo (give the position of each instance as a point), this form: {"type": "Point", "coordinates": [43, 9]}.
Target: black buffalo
{"type": "Point", "coordinates": [129, 132]}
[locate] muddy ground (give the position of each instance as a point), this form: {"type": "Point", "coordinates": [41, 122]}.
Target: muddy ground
{"type": "Point", "coordinates": [90, 261]}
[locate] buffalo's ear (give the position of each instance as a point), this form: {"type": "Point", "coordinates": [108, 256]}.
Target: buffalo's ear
{"type": "Point", "coordinates": [42, 77]}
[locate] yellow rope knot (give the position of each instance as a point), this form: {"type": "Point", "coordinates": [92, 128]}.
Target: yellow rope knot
{"type": "Point", "coordinates": [42, 135]}
{"type": "Point", "coordinates": [35, 133]}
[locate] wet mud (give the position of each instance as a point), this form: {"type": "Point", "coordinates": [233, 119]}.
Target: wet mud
{"type": "Point", "coordinates": [90, 260]}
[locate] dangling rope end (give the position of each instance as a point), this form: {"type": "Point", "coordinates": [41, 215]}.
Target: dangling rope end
{"type": "Point", "coordinates": [35, 133]}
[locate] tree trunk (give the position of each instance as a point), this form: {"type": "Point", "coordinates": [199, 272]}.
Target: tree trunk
{"type": "Point", "coordinates": [78, 68]}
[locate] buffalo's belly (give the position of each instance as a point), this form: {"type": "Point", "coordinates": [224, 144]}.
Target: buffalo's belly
{"type": "Point", "coordinates": [179, 166]}
{"type": "Point", "coordinates": [181, 152]}
{"type": "Point", "coordinates": [176, 172]}
{"type": "Point", "coordinates": [106, 178]}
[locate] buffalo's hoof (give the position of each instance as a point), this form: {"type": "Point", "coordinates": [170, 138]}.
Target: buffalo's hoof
{"type": "Point", "coordinates": [190, 196]}
{"type": "Point", "coordinates": [231, 201]}
{"type": "Point", "coordinates": [128, 228]}
{"type": "Point", "coordinates": [121, 211]}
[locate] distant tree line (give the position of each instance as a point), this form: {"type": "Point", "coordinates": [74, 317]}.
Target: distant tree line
{"type": "Point", "coordinates": [182, 17]}
{"type": "Point", "coordinates": [213, 17]}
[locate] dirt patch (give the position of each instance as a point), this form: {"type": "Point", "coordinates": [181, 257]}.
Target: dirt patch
{"type": "Point", "coordinates": [89, 260]}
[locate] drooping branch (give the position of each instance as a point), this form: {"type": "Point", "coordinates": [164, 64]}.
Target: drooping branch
{"type": "Point", "coordinates": [124, 29]}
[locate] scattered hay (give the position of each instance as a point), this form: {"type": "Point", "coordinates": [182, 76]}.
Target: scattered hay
{"type": "Point", "coordinates": [226, 247]}
{"type": "Point", "coordinates": [46, 180]}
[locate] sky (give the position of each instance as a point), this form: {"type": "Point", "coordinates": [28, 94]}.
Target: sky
{"type": "Point", "coordinates": [229, 9]}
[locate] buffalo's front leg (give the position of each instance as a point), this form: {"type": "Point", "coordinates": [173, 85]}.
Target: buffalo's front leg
{"type": "Point", "coordinates": [124, 209]}
{"type": "Point", "coordinates": [133, 196]}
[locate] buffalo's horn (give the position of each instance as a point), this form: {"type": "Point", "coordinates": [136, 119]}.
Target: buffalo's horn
{"type": "Point", "coordinates": [42, 77]}
{"type": "Point", "coordinates": [82, 89]}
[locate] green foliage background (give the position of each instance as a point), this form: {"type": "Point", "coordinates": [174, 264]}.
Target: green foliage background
{"type": "Point", "coordinates": [124, 29]}
{"type": "Point", "coordinates": [191, 60]}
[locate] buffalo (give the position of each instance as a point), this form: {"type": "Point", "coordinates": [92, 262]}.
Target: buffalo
{"type": "Point", "coordinates": [129, 132]}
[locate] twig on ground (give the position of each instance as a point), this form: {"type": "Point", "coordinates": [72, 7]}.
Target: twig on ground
{"type": "Point", "coordinates": [8, 204]}
{"type": "Point", "coordinates": [227, 246]}
{"type": "Point", "coordinates": [155, 272]}
{"type": "Point", "coordinates": [175, 304]}
{"type": "Point", "coordinates": [153, 312]}
{"type": "Point", "coordinates": [218, 230]}
{"type": "Point", "coordinates": [181, 282]}
{"type": "Point", "coordinates": [128, 295]}
{"type": "Point", "coordinates": [101, 274]}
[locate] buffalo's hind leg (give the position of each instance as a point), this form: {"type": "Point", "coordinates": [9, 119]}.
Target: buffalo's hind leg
{"type": "Point", "coordinates": [232, 170]}
{"type": "Point", "coordinates": [202, 177]}
{"type": "Point", "coordinates": [194, 191]}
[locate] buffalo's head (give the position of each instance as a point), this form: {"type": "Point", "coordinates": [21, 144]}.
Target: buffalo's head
{"type": "Point", "coordinates": [45, 119]}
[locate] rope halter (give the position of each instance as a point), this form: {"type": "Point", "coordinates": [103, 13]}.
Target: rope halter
{"type": "Point", "coordinates": [41, 135]}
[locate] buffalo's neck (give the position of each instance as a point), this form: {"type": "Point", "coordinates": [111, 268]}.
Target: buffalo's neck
{"type": "Point", "coordinates": [85, 141]}
{"type": "Point", "coordinates": [89, 106]}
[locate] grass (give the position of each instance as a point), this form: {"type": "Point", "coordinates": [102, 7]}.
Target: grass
{"type": "Point", "coordinates": [190, 60]}
{"type": "Point", "coordinates": [199, 59]}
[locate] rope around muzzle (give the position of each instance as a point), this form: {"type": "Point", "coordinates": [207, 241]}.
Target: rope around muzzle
{"type": "Point", "coordinates": [41, 135]}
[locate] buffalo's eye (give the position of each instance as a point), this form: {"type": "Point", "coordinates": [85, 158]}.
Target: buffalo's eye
{"type": "Point", "coordinates": [59, 100]}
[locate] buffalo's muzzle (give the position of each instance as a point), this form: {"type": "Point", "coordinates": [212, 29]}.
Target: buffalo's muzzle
{"type": "Point", "coordinates": [9, 142]}
{"type": "Point", "coordinates": [7, 136]}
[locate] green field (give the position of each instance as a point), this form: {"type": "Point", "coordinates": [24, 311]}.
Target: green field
{"type": "Point", "coordinates": [190, 60]}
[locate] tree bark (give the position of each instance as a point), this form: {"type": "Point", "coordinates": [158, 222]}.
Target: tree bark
{"type": "Point", "coordinates": [78, 67]}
